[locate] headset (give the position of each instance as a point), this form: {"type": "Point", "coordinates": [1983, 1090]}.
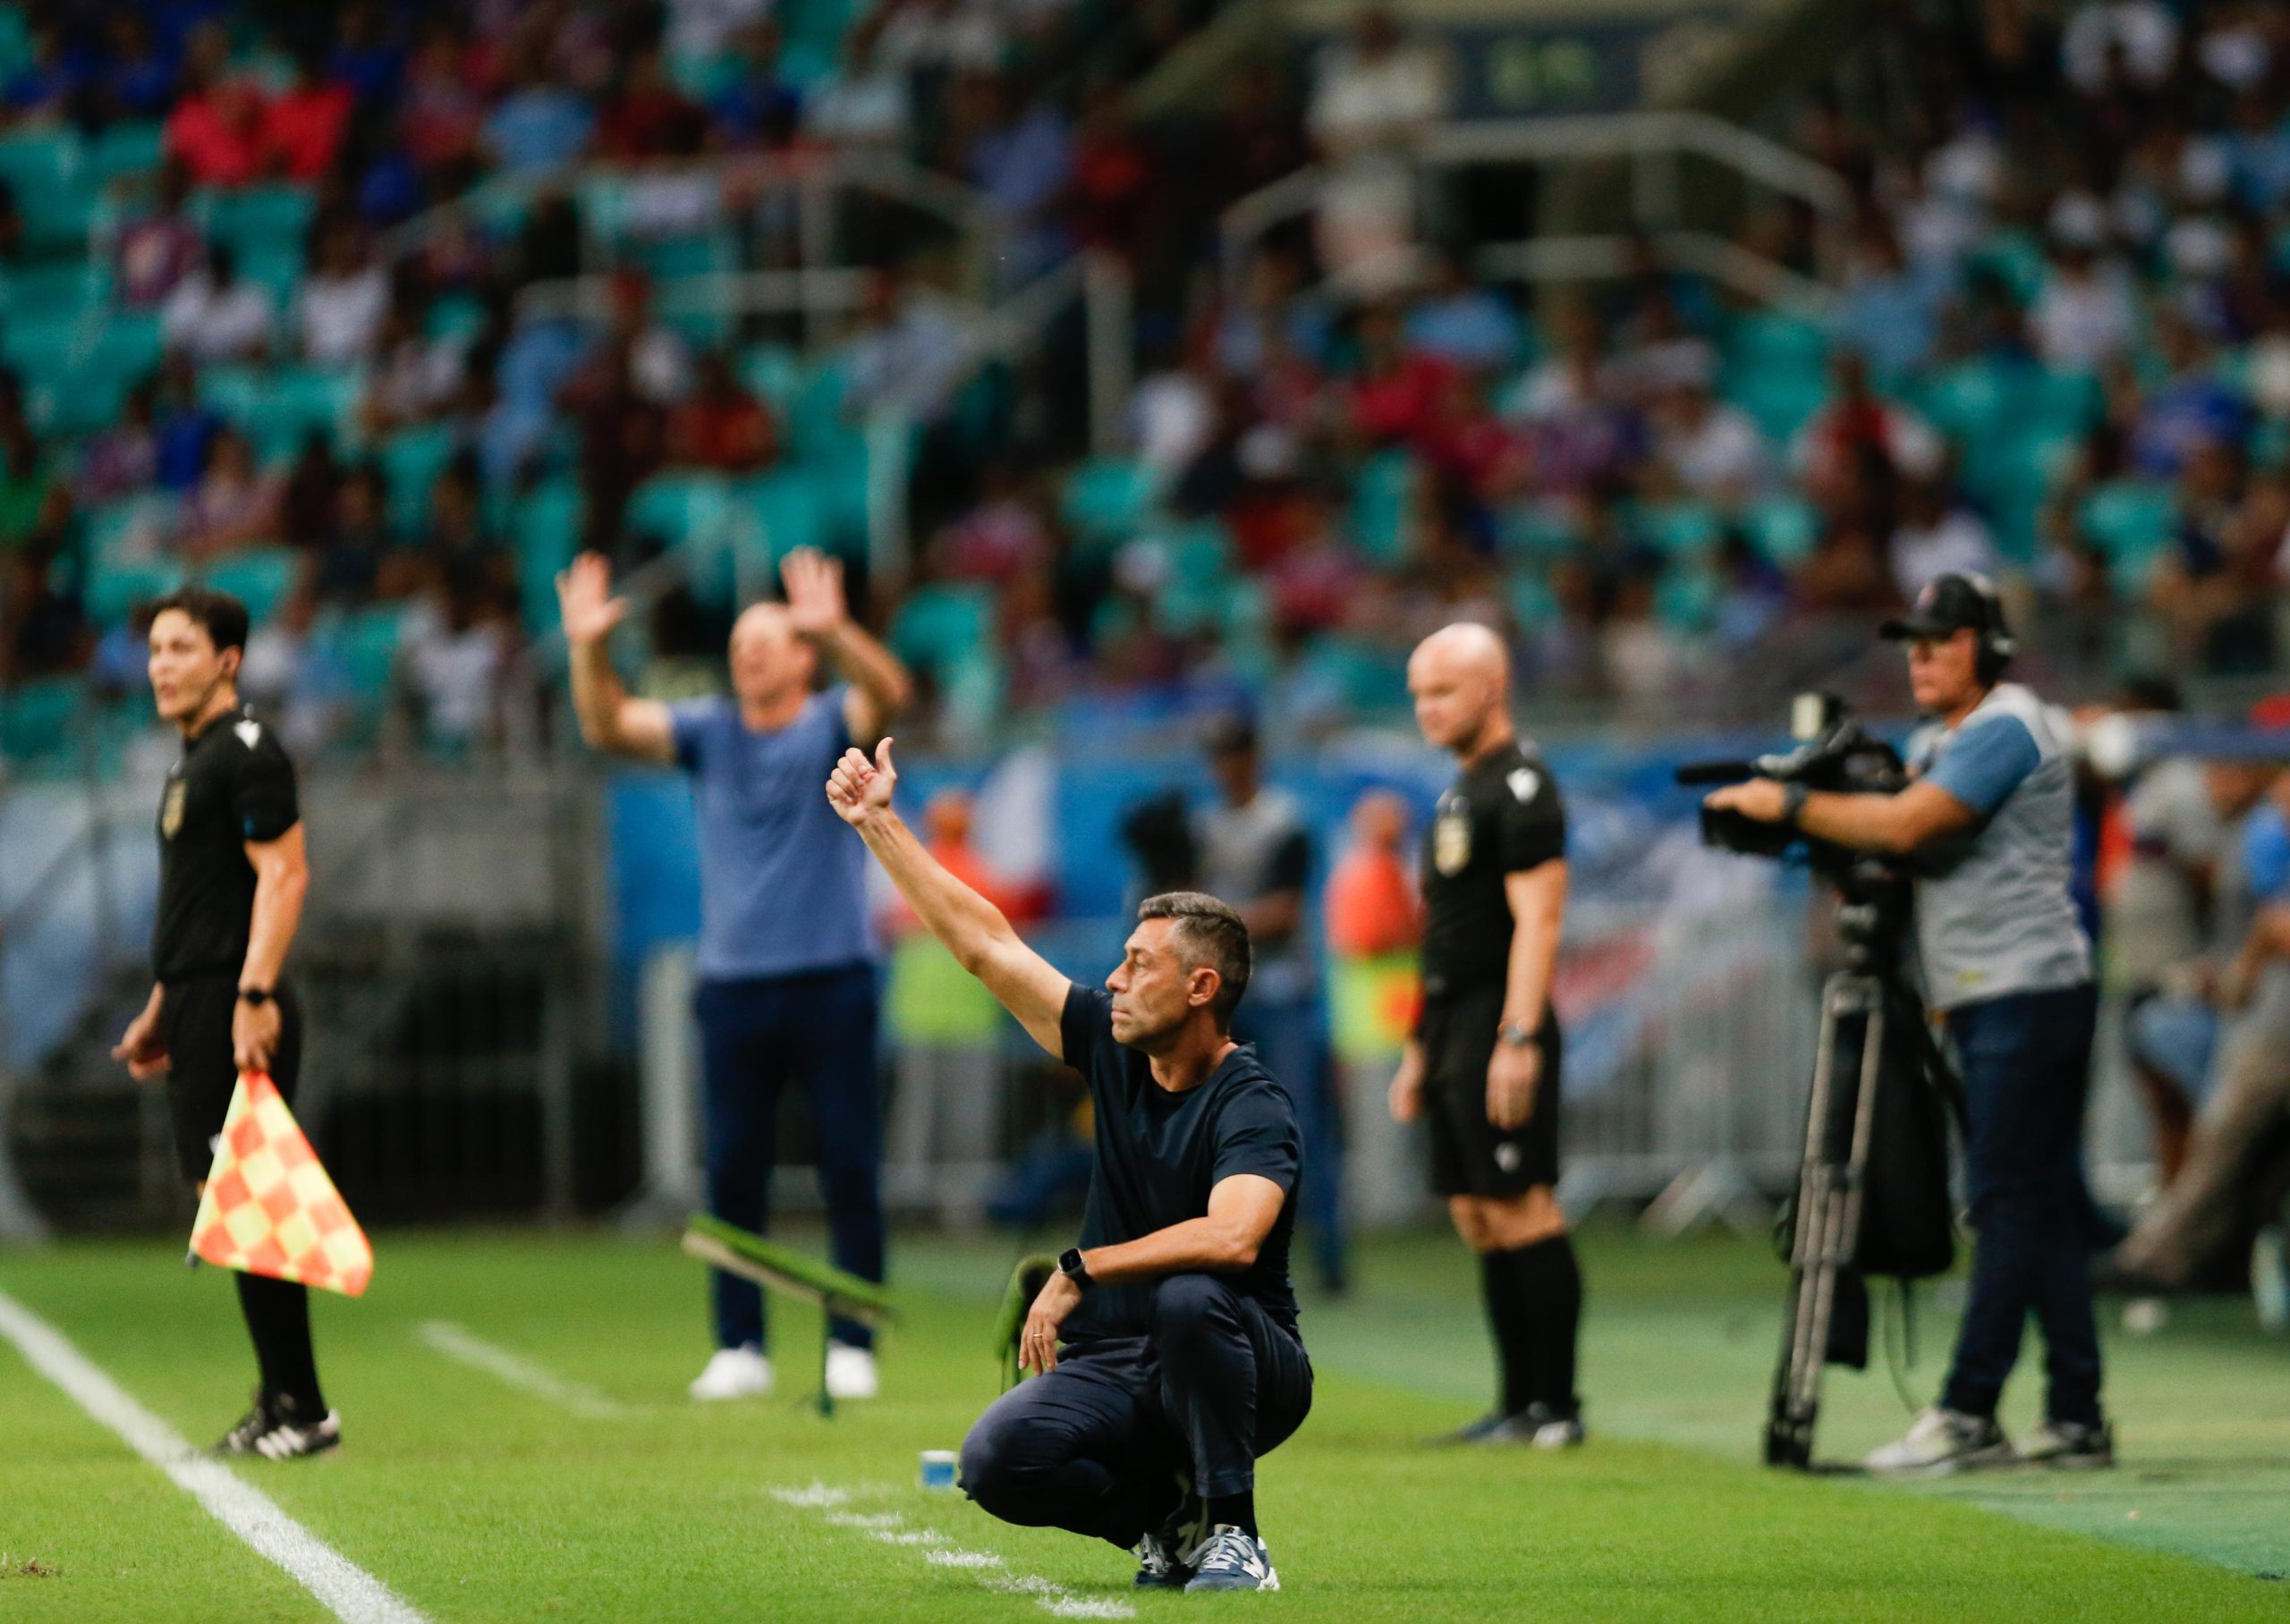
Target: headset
{"type": "Point", "coordinates": [1996, 643]}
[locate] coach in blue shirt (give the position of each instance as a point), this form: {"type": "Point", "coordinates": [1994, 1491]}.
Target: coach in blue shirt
{"type": "Point", "coordinates": [787, 954]}
{"type": "Point", "coordinates": [1989, 821]}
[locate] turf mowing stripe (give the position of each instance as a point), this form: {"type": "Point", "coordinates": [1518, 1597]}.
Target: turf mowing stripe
{"type": "Point", "coordinates": [348, 1591]}
{"type": "Point", "coordinates": [459, 1342]}
{"type": "Point", "coordinates": [939, 1552]}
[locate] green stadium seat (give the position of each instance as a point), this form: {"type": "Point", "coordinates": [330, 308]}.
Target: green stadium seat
{"type": "Point", "coordinates": [42, 168]}
{"type": "Point", "coordinates": [257, 217]}
{"type": "Point", "coordinates": [261, 579]}
{"type": "Point", "coordinates": [546, 526]}
{"type": "Point", "coordinates": [1538, 531]}
{"type": "Point", "coordinates": [1685, 597]}
{"type": "Point", "coordinates": [115, 584]}
{"type": "Point", "coordinates": [1533, 606]}
{"type": "Point", "coordinates": [123, 150]}
{"type": "Point", "coordinates": [791, 508]}
{"type": "Point", "coordinates": [37, 717]}
{"type": "Point", "coordinates": [1383, 503]}
{"type": "Point", "coordinates": [365, 642]}
{"type": "Point", "coordinates": [1679, 528]}
{"type": "Point", "coordinates": [1779, 400]}
{"type": "Point", "coordinates": [276, 267]}
{"type": "Point", "coordinates": [1783, 528]}
{"type": "Point", "coordinates": [278, 409]}
{"type": "Point", "coordinates": [60, 291]}
{"type": "Point", "coordinates": [776, 374]}
{"type": "Point", "coordinates": [1775, 341]}
{"type": "Point", "coordinates": [941, 623]}
{"type": "Point", "coordinates": [79, 373]}
{"type": "Point", "coordinates": [2131, 520]}
{"type": "Point", "coordinates": [1196, 577]}
{"type": "Point", "coordinates": [411, 459]}
{"type": "Point", "coordinates": [1106, 499]}
{"type": "Point", "coordinates": [456, 316]}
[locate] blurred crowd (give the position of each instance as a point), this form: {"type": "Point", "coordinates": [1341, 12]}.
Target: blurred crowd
{"type": "Point", "coordinates": [2060, 354]}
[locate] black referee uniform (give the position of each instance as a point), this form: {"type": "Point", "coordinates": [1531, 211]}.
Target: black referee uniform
{"type": "Point", "coordinates": [1502, 816]}
{"type": "Point", "coordinates": [233, 784]}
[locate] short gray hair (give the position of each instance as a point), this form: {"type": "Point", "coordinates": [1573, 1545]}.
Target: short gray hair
{"type": "Point", "coordinates": [1209, 932]}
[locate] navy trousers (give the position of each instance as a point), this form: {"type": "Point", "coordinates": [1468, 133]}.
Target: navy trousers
{"type": "Point", "coordinates": [2027, 1070]}
{"type": "Point", "coordinates": [817, 1031]}
{"type": "Point", "coordinates": [1095, 1446]}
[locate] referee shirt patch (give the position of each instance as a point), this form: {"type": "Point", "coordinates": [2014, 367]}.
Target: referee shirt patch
{"type": "Point", "coordinates": [1526, 783]}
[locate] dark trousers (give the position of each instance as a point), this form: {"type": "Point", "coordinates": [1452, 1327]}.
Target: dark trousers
{"type": "Point", "coordinates": [1291, 1038]}
{"type": "Point", "coordinates": [1095, 1446]}
{"type": "Point", "coordinates": [815, 1030]}
{"type": "Point", "coordinates": [2027, 1065]}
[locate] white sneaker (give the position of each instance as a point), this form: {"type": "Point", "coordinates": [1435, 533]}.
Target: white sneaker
{"type": "Point", "coordinates": [1943, 1441]}
{"type": "Point", "coordinates": [850, 1373]}
{"type": "Point", "coordinates": [733, 1372]}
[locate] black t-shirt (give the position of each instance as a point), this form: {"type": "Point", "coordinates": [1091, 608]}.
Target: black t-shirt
{"type": "Point", "coordinates": [1159, 1154]}
{"type": "Point", "coordinates": [1499, 817]}
{"type": "Point", "coordinates": [232, 785]}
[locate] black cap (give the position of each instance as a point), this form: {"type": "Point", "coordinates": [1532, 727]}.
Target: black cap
{"type": "Point", "coordinates": [1951, 604]}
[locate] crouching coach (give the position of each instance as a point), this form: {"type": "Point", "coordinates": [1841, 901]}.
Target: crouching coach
{"type": "Point", "coordinates": [1166, 1348]}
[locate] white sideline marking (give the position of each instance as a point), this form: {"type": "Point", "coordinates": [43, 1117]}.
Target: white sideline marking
{"type": "Point", "coordinates": [891, 1529]}
{"type": "Point", "coordinates": [461, 1343]}
{"type": "Point", "coordinates": [348, 1591]}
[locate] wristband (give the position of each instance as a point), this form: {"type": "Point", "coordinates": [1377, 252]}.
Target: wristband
{"type": "Point", "coordinates": [1793, 803]}
{"type": "Point", "coordinates": [1070, 1264]}
{"type": "Point", "coordinates": [255, 995]}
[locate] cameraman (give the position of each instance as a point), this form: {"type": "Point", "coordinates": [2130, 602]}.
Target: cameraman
{"type": "Point", "coordinates": [2007, 971]}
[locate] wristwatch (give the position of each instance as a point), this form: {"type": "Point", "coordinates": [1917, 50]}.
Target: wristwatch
{"type": "Point", "coordinates": [1517, 1033]}
{"type": "Point", "coordinates": [1070, 1264]}
{"type": "Point", "coordinates": [255, 995]}
{"type": "Point", "coordinates": [1793, 803]}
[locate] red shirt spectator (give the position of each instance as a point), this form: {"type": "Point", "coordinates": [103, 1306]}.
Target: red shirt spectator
{"type": "Point", "coordinates": [217, 133]}
{"type": "Point", "coordinates": [650, 118]}
{"type": "Point", "coordinates": [303, 130]}
{"type": "Point", "coordinates": [1371, 904]}
{"type": "Point", "coordinates": [721, 426]}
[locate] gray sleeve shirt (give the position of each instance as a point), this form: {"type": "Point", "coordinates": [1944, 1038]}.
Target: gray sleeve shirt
{"type": "Point", "coordinates": [1994, 912]}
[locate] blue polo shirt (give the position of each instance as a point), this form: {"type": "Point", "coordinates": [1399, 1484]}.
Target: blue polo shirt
{"type": "Point", "coordinates": [782, 879]}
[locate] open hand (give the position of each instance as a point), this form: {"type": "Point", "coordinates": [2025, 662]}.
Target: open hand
{"type": "Point", "coordinates": [814, 583]}
{"type": "Point", "coordinates": [1511, 1079]}
{"type": "Point", "coordinates": [584, 601]}
{"type": "Point", "coordinates": [858, 789]}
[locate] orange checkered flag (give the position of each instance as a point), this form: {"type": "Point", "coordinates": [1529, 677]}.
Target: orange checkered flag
{"type": "Point", "coordinates": [269, 1208]}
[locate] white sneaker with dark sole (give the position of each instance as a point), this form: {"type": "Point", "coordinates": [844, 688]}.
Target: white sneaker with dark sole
{"type": "Point", "coordinates": [1233, 1560]}
{"type": "Point", "coordinates": [1942, 1441]}
{"type": "Point", "coordinates": [2070, 1446]}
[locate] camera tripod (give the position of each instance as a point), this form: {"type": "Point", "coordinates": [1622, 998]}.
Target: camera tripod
{"type": "Point", "coordinates": [1859, 999]}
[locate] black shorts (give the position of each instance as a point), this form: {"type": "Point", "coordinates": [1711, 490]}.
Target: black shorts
{"type": "Point", "coordinates": [201, 1068]}
{"type": "Point", "coordinates": [1469, 1155]}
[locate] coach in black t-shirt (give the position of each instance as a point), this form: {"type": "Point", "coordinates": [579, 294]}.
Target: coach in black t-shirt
{"type": "Point", "coordinates": [232, 874]}
{"type": "Point", "coordinates": [1483, 1064]}
{"type": "Point", "coordinates": [1166, 1346]}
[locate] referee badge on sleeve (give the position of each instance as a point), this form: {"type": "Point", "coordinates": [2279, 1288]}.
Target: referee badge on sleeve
{"type": "Point", "coordinates": [1451, 840]}
{"type": "Point", "coordinates": [171, 809]}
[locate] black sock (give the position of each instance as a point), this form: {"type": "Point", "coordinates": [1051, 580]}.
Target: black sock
{"type": "Point", "coordinates": [278, 1318]}
{"type": "Point", "coordinates": [1508, 1317]}
{"type": "Point", "coordinates": [1552, 1285]}
{"type": "Point", "coordinates": [1233, 1510]}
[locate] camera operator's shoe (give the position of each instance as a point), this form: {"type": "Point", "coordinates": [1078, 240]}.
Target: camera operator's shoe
{"type": "Point", "coordinates": [1943, 1441]}
{"type": "Point", "coordinates": [1493, 1427]}
{"type": "Point", "coordinates": [2070, 1445]}
{"type": "Point", "coordinates": [1235, 1561]}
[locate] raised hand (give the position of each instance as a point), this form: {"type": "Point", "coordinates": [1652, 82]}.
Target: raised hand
{"type": "Point", "coordinates": [584, 600]}
{"type": "Point", "coordinates": [858, 789]}
{"type": "Point", "coordinates": [814, 583]}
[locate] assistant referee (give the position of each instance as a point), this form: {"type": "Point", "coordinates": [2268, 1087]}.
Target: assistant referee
{"type": "Point", "coordinates": [1483, 1063]}
{"type": "Point", "coordinates": [232, 874]}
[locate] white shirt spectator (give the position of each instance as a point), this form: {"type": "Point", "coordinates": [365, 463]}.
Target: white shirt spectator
{"type": "Point", "coordinates": [1364, 102]}
{"type": "Point", "coordinates": [699, 29]}
{"type": "Point", "coordinates": [1956, 543]}
{"type": "Point", "coordinates": [339, 316]}
{"type": "Point", "coordinates": [2083, 316]}
{"type": "Point", "coordinates": [1171, 420]}
{"type": "Point", "coordinates": [1720, 454]}
{"type": "Point", "coordinates": [212, 324]}
{"type": "Point", "coordinates": [455, 670]}
{"type": "Point", "coordinates": [2145, 30]}
{"type": "Point", "coordinates": [864, 106]}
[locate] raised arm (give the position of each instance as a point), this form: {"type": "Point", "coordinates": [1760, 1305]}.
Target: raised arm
{"type": "Point", "coordinates": [880, 687]}
{"type": "Point", "coordinates": [971, 927]}
{"type": "Point", "coordinates": [637, 729]}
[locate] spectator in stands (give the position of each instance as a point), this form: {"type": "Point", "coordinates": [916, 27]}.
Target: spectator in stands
{"type": "Point", "coordinates": [124, 460]}
{"type": "Point", "coordinates": [867, 104]}
{"type": "Point", "coordinates": [138, 77]}
{"type": "Point", "coordinates": [908, 351]}
{"type": "Point", "coordinates": [647, 118]}
{"type": "Point", "coordinates": [1891, 308]}
{"type": "Point", "coordinates": [1113, 186]}
{"type": "Point", "coordinates": [1858, 440]}
{"type": "Point", "coordinates": [339, 313]}
{"type": "Point", "coordinates": [415, 378]}
{"type": "Point", "coordinates": [303, 125]}
{"type": "Point", "coordinates": [1464, 323]}
{"type": "Point", "coordinates": [233, 505]}
{"type": "Point", "coordinates": [157, 249]}
{"type": "Point", "coordinates": [25, 479]}
{"type": "Point", "coordinates": [215, 129]}
{"type": "Point", "coordinates": [184, 426]}
{"type": "Point", "coordinates": [622, 439]}
{"type": "Point", "coordinates": [356, 560]}
{"type": "Point", "coordinates": [1937, 536]}
{"type": "Point", "coordinates": [757, 106]}
{"type": "Point", "coordinates": [1020, 155]}
{"type": "Point", "coordinates": [2112, 45]}
{"type": "Point", "coordinates": [457, 646]}
{"type": "Point", "coordinates": [1396, 393]}
{"type": "Point", "coordinates": [542, 125]}
{"type": "Point", "coordinates": [310, 499]}
{"type": "Point", "coordinates": [12, 227]}
{"type": "Point", "coordinates": [1374, 101]}
{"type": "Point", "coordinates": [213, 316]}
{"type": "Point", "coordinates": [2193, 406]}
{"type": "Point", "coordinates": [720, 426]}
{"type": "Point", "coordinates": [1712, 448]}
{"type": "Point", "coordinates": [441, 116]}
{"type": "Point", "coordinates": [44, 91]}
{"type": "Point", "coordinates": [2084, 316]}
{"type": "Point", "coordinates": [368, 54]}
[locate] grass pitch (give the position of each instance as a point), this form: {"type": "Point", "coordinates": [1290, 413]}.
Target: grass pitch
{"type": "Point", "coordinates": [593, 1490]}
